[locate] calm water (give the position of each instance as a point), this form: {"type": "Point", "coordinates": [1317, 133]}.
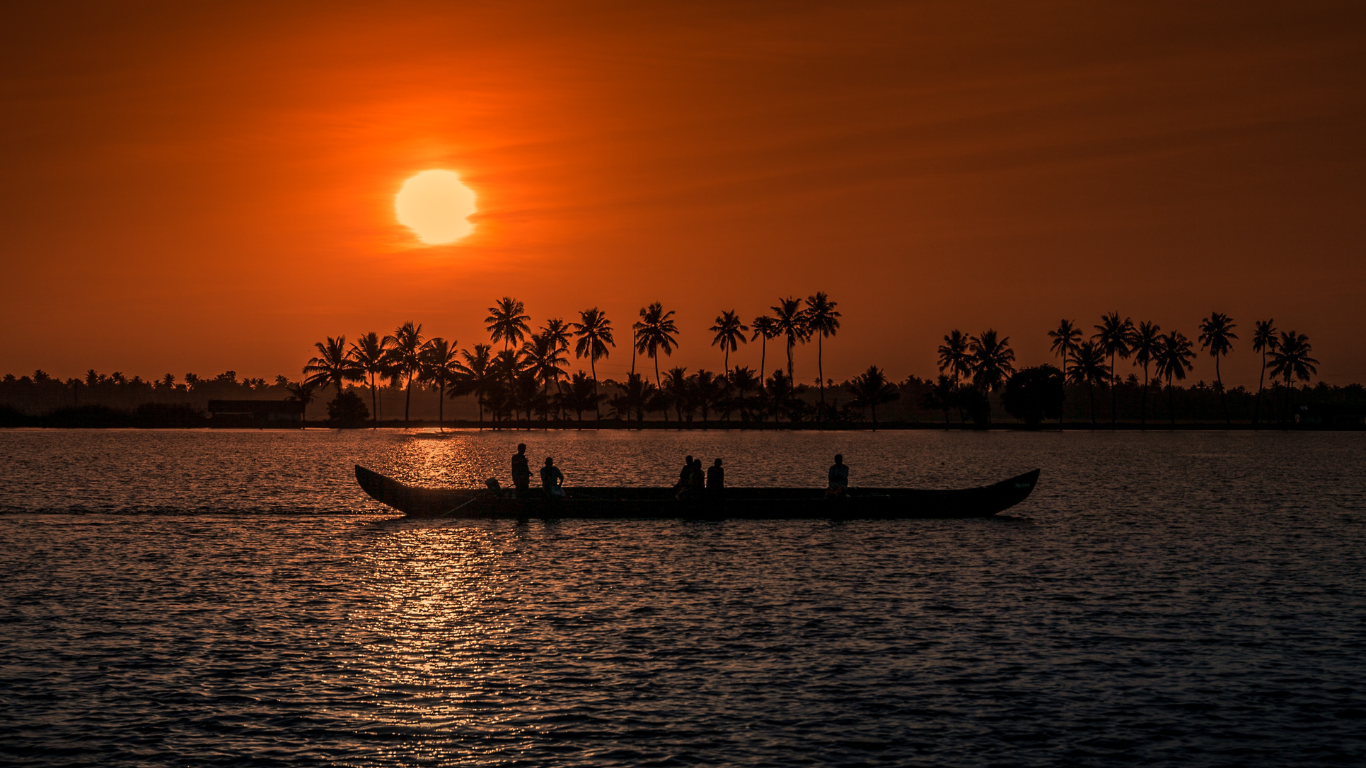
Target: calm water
{"type": "Point", "coordinates": [232, 598]}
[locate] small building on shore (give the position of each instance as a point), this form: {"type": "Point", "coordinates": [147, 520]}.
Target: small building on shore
{"type": "Point", "coordinates": [256, 413]}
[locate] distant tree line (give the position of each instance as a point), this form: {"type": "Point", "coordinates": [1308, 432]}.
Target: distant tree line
{"type": "Point", "coordinates": [521, 376]}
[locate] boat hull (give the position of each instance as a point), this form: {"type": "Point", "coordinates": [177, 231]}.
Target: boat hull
{"type": "Point", "coordinates": [737, 503]}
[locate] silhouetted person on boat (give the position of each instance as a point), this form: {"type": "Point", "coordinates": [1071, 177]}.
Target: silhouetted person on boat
{"type": "Point", "coordinates": [521, 470]}
{"type": "Point", "coordinates": [685, 475]}
{"type": "Point", "coordinates": [716, 480]}
{"type": "Point", "coordinates": [839, 479]}
{"type": "Point", "coordinates": [552, 479]}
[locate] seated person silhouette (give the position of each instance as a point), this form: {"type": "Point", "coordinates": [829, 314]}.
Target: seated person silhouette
{"type": "Point", "coordinates": [552, 480]}
{"type": "Point", "coordinates": [716, 480]}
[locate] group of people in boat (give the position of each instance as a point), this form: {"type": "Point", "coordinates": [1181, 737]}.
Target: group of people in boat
{"type": "Point", "coordinates": [693, 482]}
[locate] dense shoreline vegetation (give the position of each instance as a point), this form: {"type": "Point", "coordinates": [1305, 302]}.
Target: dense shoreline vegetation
{"type": "Point", "coordinates": [522, 380]}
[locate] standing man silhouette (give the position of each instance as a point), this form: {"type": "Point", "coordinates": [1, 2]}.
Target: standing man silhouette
{"type": "Point", "coordinates": [716, 480]}
{"type": "Point", "coordinates": [521, 470]}
{"type": "Point", "coordinates": [839, 479]}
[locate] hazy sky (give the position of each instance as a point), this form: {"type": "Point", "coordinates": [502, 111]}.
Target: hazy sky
{"type": "Point", "coordinates": [209, 186]}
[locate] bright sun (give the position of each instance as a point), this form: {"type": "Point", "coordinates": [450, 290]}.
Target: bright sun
{"type": "Point", "coordinates": [435, 205]}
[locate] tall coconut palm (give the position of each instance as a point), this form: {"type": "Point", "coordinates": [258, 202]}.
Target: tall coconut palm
{"type": "Point", "coordinates": [1147, 343]}
{"type": "Point", "coordinates": [1291, 360]}
{"type": "Point", "coordinates": [765, 328]}
{"type": "Point", "coordinates": [1089, 368]}
{"type": "Point", "coordinates": [1263, 341]}
{"type": "Point", "coordinates": [730, 334]}
{"type": "Point", "coordinates": [1173, 363]}
{"type": "Point", "coordinates": [508, 366]}
{"type": "Point", "coordinates": [477, 375]}
{"type": "Point", "coordinates": [955, 356]}
{"type": "Point", "coordinates": [371, 353]}
{"type": "Point", "coordinates": [871, 389]}
{"type": "Point", "coordinates": [594, 332]}
{"type": "Point", "coordinates": [1114, 336]}
{"type": "Point", "coordinates": [545, 360]}
{"type": "Point", "coordinates": [333, 366]}
{"type": "Point", "coordinates": [822, 320]}
{"type": "Point", "coordinates": [1216, 335]}
{"type": "Point", "coordinates": [656, 331]}
{"type": "Point", "coordinates": [507, 322]}
{"type": "Point", "coordinates": [992, 360]}
{"type": "Point", "coordinates": [1067, 336]}
{"type": "Point", "coordinates": [404, 365]}
{"type": "Point", "coordinates": [791, 322]}
{"type": "Point", "coordinates": [437, 363]}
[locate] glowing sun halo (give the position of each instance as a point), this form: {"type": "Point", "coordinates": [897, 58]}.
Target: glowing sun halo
{"type": "Point", "coordinates": [435, 205]}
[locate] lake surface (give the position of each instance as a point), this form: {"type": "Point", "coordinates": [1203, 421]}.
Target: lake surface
{"type": "Point", "coordinates": [232, 598]}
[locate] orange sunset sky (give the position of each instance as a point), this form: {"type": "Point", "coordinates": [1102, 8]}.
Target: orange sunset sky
{"type": "Point", "coordinates": [210, 186]}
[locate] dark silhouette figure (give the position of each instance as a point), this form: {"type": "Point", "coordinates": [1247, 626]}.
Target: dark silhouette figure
{"type": "Point", "coordinates": [838, 479]}
{"type": "Point", "coordinates": [521, 470]}
{"type": "Point", "coordinates": [684, 474]}
{"type": "Point", "coordinates": [552, 479]}
{"type": "Point", "coordinates": [716, 480]}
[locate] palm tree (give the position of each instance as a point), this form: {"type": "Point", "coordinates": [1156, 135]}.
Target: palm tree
{"type": "Point", "coordinates": [765, 328]}
{"type": "Point", "coordinates": [594, 332]}
{"type": "Point", "coordinates": [822, 319]}
{"type": "Point", "coordinates": [635, 394]}
{"type": "Point", "coordinates": [1146, 344]}
{"type": "Point", "coordinates": [940, 397]}
{"type": "Point", "coordinates": [581, 393]}
{"type": "Point", "coordinates": [1263, 341]}
{"type": "Point", "coordinates": [301, 392]}
{"type": "Point", "coordinates": [1216, 334]}
{"type": "Point", "coordinates": [654, 332]}
{"type": "Point", "coordinates": [992, 361]}
{"type": "Point", "coordinates": [1064, 339]}
{"type": "Point", "coordinates": [332, 365]}
{"type": "Point", "coordinates": [545, 359]}
{"type": "Point", "coordinates": [791, 322]}
{"type": "Point", "coordinates": [1089, 368]}
{"type": "Point", "coordinates": [476, 376]}
{"type": "Point", "coordinates": [438, 363]}
{"type": "Point", "coordinates": [508, 366]}
{"type": "Point", "coordinates": [707, 390]}
{"type": "Point", "coordinates": [730, 334]}
{"type": "Point", "coordinates": [1291, 359]}
{"type": "Point", "coordinates": [406, 343]}
{"type": "Point", "coordinates": [954, 357]}
{"type": "Point", "coordinates": [1173, 362]}
{"type": "Point", "coordinates": [677, 388]}
{"type": "Point", "coordinates": [871, 389]}
{"type": "Point", "coordinates": [743, 380]}
{"type": "Point", "coordinates": [507, 322]}
{"type": "Point", "coordinates": [372, 355]}
{"type": "Point", "coordinates": [1114, 336]}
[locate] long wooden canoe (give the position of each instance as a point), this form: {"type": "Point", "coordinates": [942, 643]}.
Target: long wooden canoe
{"type": "Point", "coordinates": [737, 503]}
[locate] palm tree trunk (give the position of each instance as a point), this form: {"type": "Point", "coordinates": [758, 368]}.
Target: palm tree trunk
{"type": "Point", "coordinates": [633, 351]}
{"type": "Point", "coordinates": [763, 358]}
{"type": "Point", "coordinates": [1223, 401]}
{"type": "Point", "coordinates": [1171, 402]}
{"type": "Point", "coordinates": [374, 403]}
{"type": "Point", "coordinates": [1114, 376]}
{"type": "Point", "coordinates": [820, 371]}
{"type": "Point", "coordinates": [407, 400]}
{"type": "Point", "coordinates": [665, 409]}
{"type": "Point", "coordinates": [1092, 389]}
{"type": "Point", "coordinates": [441, 406]}
{"type": "Point", "coordinates": [1261, 378]}
{"type": "Point", "coordinates": [1143, 406]}
{"type": "Point", "coordinates": [593, 366]}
